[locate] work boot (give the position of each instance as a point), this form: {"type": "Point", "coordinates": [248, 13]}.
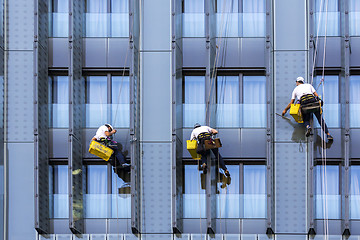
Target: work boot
{"type": "Point", "coordinates": [204, 167]}
{"type": "Point", "coordinates": [227, 173]}
{"type": "Point", "coordinates": [330, 138]}
{"type": "Point", "coordinates": [308, 131]}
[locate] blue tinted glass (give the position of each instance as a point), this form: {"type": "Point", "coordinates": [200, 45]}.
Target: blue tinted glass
{"type": "Point", "coordinates": [327, 192]}
{"type": "Point", "coordinates": [194, 107]}
{"type": "Point", "coordinates": [354, 101]}
{"type": "Point", "coordinates": [121, 195]}
{"type": "Point", "coordinates": [254, 191]}
{"type": "Point", "coordinates": [194, 193]}
{"type": "Point", "coordinates": [329, 92]}
{"type": "Point", "coordinates": [59, 18]}
{"type": "Point", "coordinates": [96, 194]}
{"type": "Point", "coordinates": [120, 107]}
{"type": "Point", "coordinates": [327, 18]}
{"type": "Point", "coordinates": [254, 101]}
{"type": "Point", "coordinates": [60, 192]}
{"type": "Point", "coordinates": [59, 97]}
{"type": "Point", "coordinates": [228, 99]}
{"type": "Point", "coordinates": [96, 101]}
{"type": "Point", "coordinates": [355, 192]}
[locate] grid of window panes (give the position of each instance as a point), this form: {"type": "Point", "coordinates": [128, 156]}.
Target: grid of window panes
{"type": "Point", "coordinates": [327, 18]}
{"type": "Point", "coordinates": [107, 100]}
{"type": "Point", "coordinates": [234, 18]}
{"type": "Point", "coordinates": [354, 101]}
{"type": "Point", "coordinates": [328, 198]}
{"type": "Point", "coordinates": [99, 200]}
{"type": "Point", "coordinates": [102, 18]}
{"type": "Point", "coordinates": [243, 195]}
{"type": "Point", "coordinates": [329, 93]}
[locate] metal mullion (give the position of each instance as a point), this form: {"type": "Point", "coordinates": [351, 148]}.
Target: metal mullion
{"type": "Point", "coordinates": [241, 178]}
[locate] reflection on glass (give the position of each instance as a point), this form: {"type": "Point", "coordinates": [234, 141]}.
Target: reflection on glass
{"type": "Point", "coordinates": [354, 101]}
{"type": "Point", "coordinates": [193, 25]}
{"type": "Point", "coordinates": [59, 98]}
{"type": "Point", "coordinates": [355, 192]}
{"type": "Point", "coordinates": [120, 109]}
{"type": "Point", "coordinates": [194, 102]}
{"type": "Point", "coordinates": [59, 18]}
{"type": "Point", "coordinates": [354, 17]}
{"type": "Point", "coordinates": [327, 18]}
{"type": "Point", "coordinates": [194, 193]}
{"type": "Point", "coordinates": [96, 101]}
{"type": "Point", "coordinates": [329, 92]}
{"type": "Point", "coordinates": [327, 201]}
{"type": "Point", "coordinates": [121, 195]}
{"type": "Point", "coordinates": [60, 192]}
{"type": "Point", "coordinates": [228, 99]}
{"type": "Point", "coordinates": [96, 198]}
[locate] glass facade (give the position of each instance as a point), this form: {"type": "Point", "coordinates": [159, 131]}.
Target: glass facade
{"type": "Point", "coordinates": [354, 101]}
{"type": "Point", "coordinates": [327, 18]}
{"type": "Point", "coordinates": [59, 18]}
{"type": "Point", "coordinates": [59, 99]}
{"type": "Point", "coordinates": [354, 15]}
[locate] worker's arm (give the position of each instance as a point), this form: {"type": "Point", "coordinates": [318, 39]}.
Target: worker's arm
{"type": "Point", "coordinates": [316, 95]}
{"type": "Point", "coordinates": [107, 133]}
{"type": "Point", "coordinates": [214, 131]}
{"type": "Point", "coordinates": [288, 106]}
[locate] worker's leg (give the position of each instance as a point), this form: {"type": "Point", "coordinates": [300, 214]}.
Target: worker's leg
{"type": "Point", "coordinates": [321, 122]}
{"type": "Point", "coordinates": [306, 118]}
{"type": "Point", "coordinates": [219, 157]}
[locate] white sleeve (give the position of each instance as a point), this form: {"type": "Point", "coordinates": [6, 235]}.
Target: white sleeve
{"type": "Point", "coordinates": [312, 89]}
{"type": "Point", "coordinates": [192, 136]}
{"type": "Point", "coordinates": [293, 95]}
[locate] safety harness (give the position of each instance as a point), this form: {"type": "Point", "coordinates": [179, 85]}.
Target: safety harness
{"type": "Point", "coordinates": [310, 104]}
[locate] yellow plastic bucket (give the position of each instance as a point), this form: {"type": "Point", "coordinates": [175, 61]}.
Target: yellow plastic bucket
{"type": "Point", "coordinates": [295, 112]}
{"type": "Point", "coordinates": [191, 146]}
{"type": "Point", "coordinates": [100, 150]}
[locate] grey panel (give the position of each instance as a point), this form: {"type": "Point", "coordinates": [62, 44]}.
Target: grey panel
{"type": "Point", "coordinates": [156, 115]}
{"type": "Point", "coordinates": [94, 52]}
{"type": "Point", "coordinates": [289, 65]}
{"type": "Point", "coordinates": [122, 136]}
{"type": "Point", "coordinates": [21, 27]}
{"type": "Point", "coordinates": [252, 52]}
{"type": "Point", "coordinates": [95, 226]}
{"type": "Point", "coordinates": [156, 204]}
{"type": "Point", "coordinates": [290, 183]}
{"type": "Point", "coordinates": [333, 52]}
{"type": "Point", "coordinates": [253, 143]}
{"type": "Point", "coordinates": [231, 142]}
{"type": "Point", "coordinates": [195, 225]}
{"type": "Point", "coordinates": [355, 227]}
{"type": "Point", "coordinates": [58, 143]}
{"type": "Point", "coordinates": [20, 119]}
{"type": "Point", "coordinates": [59, 226]}
{"type": "Point", "coordinates": [119, 226]}
{"type": "Point", "coordinates": [253, 226]}
{"type": "Point", "coordinates": [355, 52]}
{"type": "Point", "coordinates": [21, 191]}
{"type": "Point", "coordinates": [292, 237]}
{"type": "Point", "coordinates": [156, 28]}
{"type": "Point", "coordinates": [333, 149]}
{"type": "Point", "coordinates": [229, 226]}
{"type": "Point", "coordinates": [289, 25]}
{"type": "Point", "coordinates": [58, 52]}
{"type": "Point", "coordinates": [156, 236]}
{"type": "Point", "coordinates": [41, 117]}
{"type": "Point", "coordinates": [333, 227]}
{"type": "Point", "coordinates": [118, 52]}
{"type": "Point", "coordinates": [194, 52]}
{"type": "Point", "coordinates": [354, 143]}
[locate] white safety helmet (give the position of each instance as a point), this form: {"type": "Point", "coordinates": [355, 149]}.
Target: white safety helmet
{"type": "Point", "coordinates": [300, 79]}
{"type": "Point", "coordinates": [109, 126]}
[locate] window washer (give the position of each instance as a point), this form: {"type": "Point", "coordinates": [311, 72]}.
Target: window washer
{"type": "Point", "coordinates": [104, 134]}
{"type": "Point", "coordinates": [202, 133]}
{"type": "Point", "coordinates": [307, 95]}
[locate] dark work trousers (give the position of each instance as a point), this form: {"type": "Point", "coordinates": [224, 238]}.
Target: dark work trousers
{"type": "Point", "coordinates": [117, 158]}
{"type": "Point", "coordinates": [216, 152]}
{"type": "Point", "coordinates": [307, 117]}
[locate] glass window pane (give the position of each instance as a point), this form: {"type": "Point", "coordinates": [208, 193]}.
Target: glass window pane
{"type": "Point", "coordinates": [119, 6]}
{"type": "Point", "coordinates": [60, 192]}
{"type": "Point", "coordinates": [355, 192]}
{"type": "Point", "coordinates": [229, 199]}
{"type": "Point", "coordinates": [96, 193]}
{"type": "Point", "coordinates": [59, 98]}
{"type": "Point", "coordinates": [329, 92]}
{"type": "Point", "coordinates": [97, 18]}
{"type": "Point", "coordinates": [327, 15]}
{"type": "Point", "coordinates": [96, 101]}
{"type": "Point", "coordinates": [354, 101]}
{"type": "Point", "coordinates": [254, 101]}
{"type": "Point", "coordinates": [59, 18]}
{"type": "Point", "coordinates": [121, 195]}
{"type": "Point", "coordinates": [194, 6]}
{"type": "Point", "coordinates": [228, 99]}
{"type": "Point", "coordinates": [327, 192]}
{"type": "Point", "coordinates": [194, 18]}
{"type": "Point", "coordinates": [194, 192]}
{"type": "Point", "coordinates": [120, 106]}
{"type": "Point", "coordinates": [254, 191]}
{"type": "Point", "coordinates": [194, 107]}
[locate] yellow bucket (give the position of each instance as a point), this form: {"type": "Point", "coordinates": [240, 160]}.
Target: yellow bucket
{"type": "Point", "coordinates": [100, 150]}
{"type": "Point", "coordinates": [295, 112]}
{"type": "Point", "coordinates": [191, 146]}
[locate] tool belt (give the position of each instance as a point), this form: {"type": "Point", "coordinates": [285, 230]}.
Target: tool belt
{"type": "Point", "coordinates": [310, 104]}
